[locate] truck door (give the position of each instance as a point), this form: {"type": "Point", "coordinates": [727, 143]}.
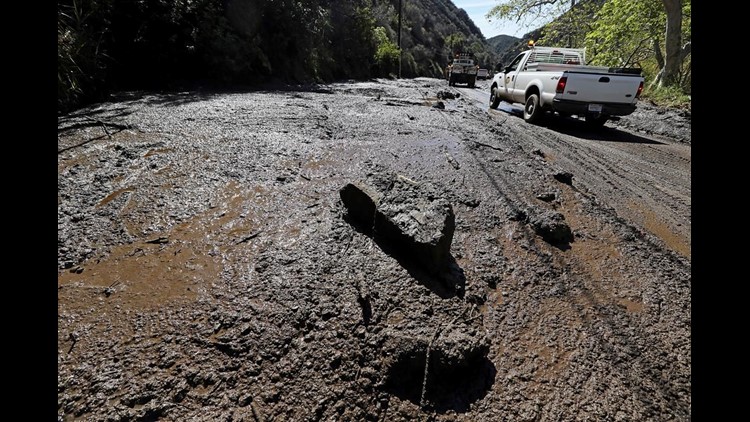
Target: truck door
{"type": "Point", "coordinates": [509, 77]}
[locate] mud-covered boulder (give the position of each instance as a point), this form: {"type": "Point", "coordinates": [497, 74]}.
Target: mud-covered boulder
{"type": "Point", "coordinates": [551, 226]}
{"type": "Point", "coordinates": [411, 218]}
{"type": "Point", "coordinates": [415, 218]}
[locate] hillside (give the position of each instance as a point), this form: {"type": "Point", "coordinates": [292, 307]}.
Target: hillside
{"type": "Point", "coordinates": [105, 47]}
{"type": "Point", "coordinates": [431, 31]}
{"type": "Point", "coordinates": [501, 43]}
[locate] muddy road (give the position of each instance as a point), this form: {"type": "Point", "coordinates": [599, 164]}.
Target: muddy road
{"type": "Point", "coordinates": [209, 269]}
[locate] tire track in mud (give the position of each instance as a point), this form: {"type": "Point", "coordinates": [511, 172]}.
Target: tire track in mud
{"type": "Point", "coordinates": [648, 185]}
{"type": "Point", "coordinates": [598, 304]}
{"type": "Point", "coordinates": [660, 167]}
{"type": "Point", "coordinates": [498, 182]}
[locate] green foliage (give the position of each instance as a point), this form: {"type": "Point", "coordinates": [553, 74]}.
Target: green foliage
{"type": "Point", "coordinates": [476, 48]}
{"type": "Point", "coordinates": [631, 33]}
{"type": "Point", "coordinates": [528, 12]}
{"type": "Point", "coordinates": [387, 53]}
{"type": "Point", "coordinates": [81, 57]}
{"type": "Point", "coordinates": [623, 32]}
{"type": "Point", "coordinates": [456, 43]}
{"type": "Point", "coordinates": [570, 28]}
{"type": "Point", "coordinates": [673, 96]}
{"type": "Point", "coordinates": [353, 55]}
{"type": "Point", "coordinates": [223, 52]}
{"type": "Point", "coordinates": [409, 64]}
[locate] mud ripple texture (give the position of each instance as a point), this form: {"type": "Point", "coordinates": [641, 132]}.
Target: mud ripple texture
{"type": "Point", "coordinates": [206, 271]}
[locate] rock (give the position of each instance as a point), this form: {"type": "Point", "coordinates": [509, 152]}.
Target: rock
{"type": "Point", "coordinates": [552, 227]}
{"type": "Point", "coordinates": [446, 95]}
{"type": "Point", "coordinates": [409, 217]}
{"type": "Point", "coordinates": [546, 197]}
{"type": "Point", "coordinates": [564, 177]}
{"type": "Point", "coordinates": [413, 218]}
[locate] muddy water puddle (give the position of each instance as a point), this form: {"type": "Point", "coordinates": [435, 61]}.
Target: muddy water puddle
{"type": "Point", "coordinates": [659, 228]}
{"type": "Point", "coordinates": [178, 264]}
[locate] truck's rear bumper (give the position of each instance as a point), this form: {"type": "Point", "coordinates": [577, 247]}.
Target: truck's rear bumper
{"type": "Point", "coordinates": [582, 108]}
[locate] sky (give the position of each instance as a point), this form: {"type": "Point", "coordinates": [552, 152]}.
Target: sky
{"type": "Point", "coordinates": [476, 9]}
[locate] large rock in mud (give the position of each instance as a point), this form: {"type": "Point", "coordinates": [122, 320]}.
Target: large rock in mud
{"type": "Point", "coordinates": [415, 218]}
{"type": "Point", "coordinates": [409, 217]}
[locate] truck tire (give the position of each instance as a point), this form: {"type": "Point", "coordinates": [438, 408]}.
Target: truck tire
{"type": "Point", "coordinates": [494, 100]}
{"type": "Point", "coordinates": [451, 80]}
{"type": "Point", "coordinates": [595, 122]}
{"type": "Point", "coordinates": [532, 111]}
{"type": "Point", "coordinates": [472, 82]}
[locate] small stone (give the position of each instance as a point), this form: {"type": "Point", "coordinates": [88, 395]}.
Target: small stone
{"type": "Point", "coordinates": [564, 177]}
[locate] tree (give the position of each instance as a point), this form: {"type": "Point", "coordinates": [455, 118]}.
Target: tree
{"type": "Point", "coordinates": [675, 52]}
{"type": "Point", "coordinates": [387, 53]}
{"type": "Point", "coordinates": [82, 53]}
{"type": "Point", "coordinates": [624, 32]}
{"type": "Point", "coordinates": [632, 32]}
{"type": "Point", "coordinates": [570, 28]}
{"type": "Point", "coordinates": [455, 43]}
{"type": "Point", "coordinates": [529, 11]}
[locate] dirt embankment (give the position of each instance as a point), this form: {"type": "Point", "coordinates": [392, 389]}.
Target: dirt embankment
{"type": "Point", "coordinates": [207, 269]}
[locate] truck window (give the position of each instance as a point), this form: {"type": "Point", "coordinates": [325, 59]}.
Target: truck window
{"type": "Point", "coordinates": [514, 64]}
{"type": "Point", "coordinates": [555, 56]}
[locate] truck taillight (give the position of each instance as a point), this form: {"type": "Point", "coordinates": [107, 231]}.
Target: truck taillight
{"type": "Point", "coordinates": [561, 85]}
{"type": "Point", "coordinates": [640, 89]}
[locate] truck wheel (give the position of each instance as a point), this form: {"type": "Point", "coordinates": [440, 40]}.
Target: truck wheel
{"type": "Point", "coordinates": [472, 82]}
{"type": "Point", "coordinates": [532, 111]}
{"type": "Point", "coordinates": [595, 122]}
{"type": "Point", "coordinates": [494, 100]}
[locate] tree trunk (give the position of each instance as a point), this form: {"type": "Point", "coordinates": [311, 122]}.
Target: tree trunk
{"type": "Point", "coordinates": [659, 62]}
{"type": "Point", "coordinates": [672, 44]}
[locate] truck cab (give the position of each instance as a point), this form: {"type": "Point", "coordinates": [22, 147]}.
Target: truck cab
{"type": "Point", "coordinates": [517, 77]}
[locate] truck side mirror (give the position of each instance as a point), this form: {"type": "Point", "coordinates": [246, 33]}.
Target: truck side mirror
{"type": "Point", "coordinates": [499, 67]}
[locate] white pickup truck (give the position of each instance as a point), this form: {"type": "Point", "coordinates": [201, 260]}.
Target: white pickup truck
{"type": "Point", "coordinates": [552, 79]}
